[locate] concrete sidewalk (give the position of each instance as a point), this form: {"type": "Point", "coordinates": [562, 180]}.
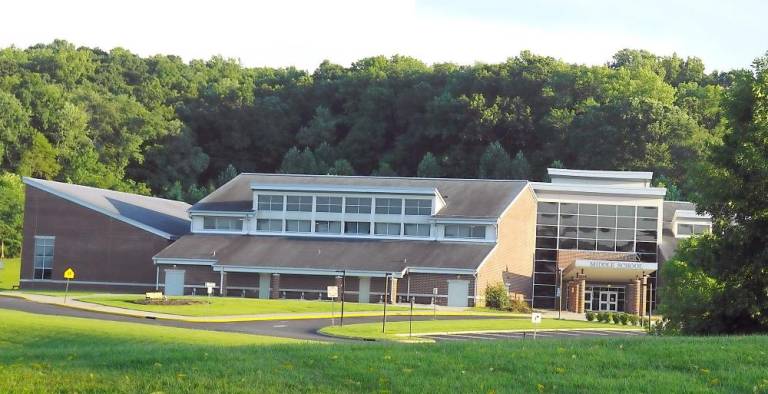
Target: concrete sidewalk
{"type": "Point", "coordinates": [87, 306]}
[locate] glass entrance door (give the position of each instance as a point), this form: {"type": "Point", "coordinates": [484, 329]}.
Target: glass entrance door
{"type": "Point", "coordinates": [609, 300]}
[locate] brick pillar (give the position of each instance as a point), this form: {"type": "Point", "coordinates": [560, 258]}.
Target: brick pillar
{"type": "Point", "coordinates": [393, 291]}
{"type": "Point", "coordinates": [643, 294]}
{"type": "Point", "coordinates": [223, 285]}
{"type": "Point", "coordinates": [632, 301]}
{"type": "Point", "coordinates": [274, 287]}
{"type": "Point", "coordinates": [582, 290]}
{"type": "Point", "coordinates": [340, 285]}
{"type": "Point", "coordinates": [572, 292]}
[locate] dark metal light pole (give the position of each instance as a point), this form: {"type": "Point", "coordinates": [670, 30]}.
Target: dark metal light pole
{"type": "Point", "coordinates": [343, 293]}
{"type": "Point", "coordinates": [560, 289]}
{"type": "Point", "coordinates": [386, 296]}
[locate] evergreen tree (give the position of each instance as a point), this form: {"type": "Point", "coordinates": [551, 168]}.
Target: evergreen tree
{"type": "Point", "coordinates": [495, 163]}
{"type": "Point", "coordinates": [429, 167]}
{"type": "Point", "coordinates": [226, 175]}
{"type": "Point", "coordinates": [299, 162]}
{"type": "Point", "coordinates": [520, 167]}
{"type": "Point", "coordinates": [384, 170]}
{"type": "Point", "coordinates": [341, 167]}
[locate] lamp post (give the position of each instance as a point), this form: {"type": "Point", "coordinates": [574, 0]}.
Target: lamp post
{"type": "Point", "coordinates": [560, 291]}
{"type": "Point", "coordinates": [343, 291]}
{"type": "Point", "coordinates": [386, 296]}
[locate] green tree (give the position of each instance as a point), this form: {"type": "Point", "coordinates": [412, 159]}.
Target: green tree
{"type": "Point", "coordinates": [521, 169]}
{"type": "Point", "coordinates": [299, 162]}
{"type": "Point", "coordinates": [39, 160]}
{"type": "Point", "coordinates": [495, 163]}
{"type": "Point", "coordinates": [429, 167]}
{"type": "Point", "coordinates": [384, 169]}
{"type": "Point", "coordinates": [341, 167]}
{"type": "Point", "coordinates": [11, 213]}
{"type": "Point", "coordinates": [226, 175]}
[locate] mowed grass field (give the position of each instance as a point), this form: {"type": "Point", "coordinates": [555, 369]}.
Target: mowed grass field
{"type": "Point", "coordinates": [393, 329]}
{"type": "Point", "coordinates": [9, 274]}
{"type": "Point", "coordinates": [57, 354]}
{"type": "Point", "coordinates": [223, 306]}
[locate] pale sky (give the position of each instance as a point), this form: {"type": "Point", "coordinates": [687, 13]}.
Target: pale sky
{"type": "Point", "coordinates": [725, 34]}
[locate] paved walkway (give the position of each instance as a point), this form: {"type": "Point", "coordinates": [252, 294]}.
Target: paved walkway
{"type": "Point", "coordinates": [529, 334]}
{"type": "Point", "coordinates": [87, 306]}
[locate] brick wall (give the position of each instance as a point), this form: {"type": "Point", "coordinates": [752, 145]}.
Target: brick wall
{"type": "Point", "coordinates": [511, 261]}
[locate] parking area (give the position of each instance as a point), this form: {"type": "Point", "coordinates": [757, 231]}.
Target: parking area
{"type": "Point", "coordinates": [530, 335]}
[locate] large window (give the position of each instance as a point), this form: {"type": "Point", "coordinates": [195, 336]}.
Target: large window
{"type": "Point", "coordinates": [417, 229]}
{"type": "Point", "coordinates": [418, 207]}
{"type": "Point", "coordinates": [298, 203]}
{"type": "Point", "coordinates": [473, 231]}
{"type": "Point", "coordinates": [269, 202]}
{"type": "Point", "coordinates": [358, 205]}
{"type": "Point", "coordinates": [222, 223]}
{"type": "Point", "coordinates": [357, 227]}
{"type": "Point", "coordinates": [387, 229]}
{"type": "Point", "coordinates": [328, 204]}
{"type": "Point", "coordinates": [43, 257]}
{"type": "Point", "coordinates": [298, 226]}
{"type": "Point", "coordinates": [328, 227]}
{"type": "Point", "coordinates": [684, 229]}
{"type": "Point", "coordinates": [389, 206]}
{"type": "Point", "coordinates": [269, 225]}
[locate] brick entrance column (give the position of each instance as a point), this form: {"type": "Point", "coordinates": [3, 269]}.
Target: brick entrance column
{"type": "Point", "coordinates": [582, 291]}
{"type": "Point", "coordinates": [572, 290]}
{"type": "Point", "coordinates": [274, 287]}
{"type": "Point", "coordinates": [643, 294]}
{"type": "Point", "coordinates": [632, 302]}
{"type": "Point", "coordinates": [393, 291]}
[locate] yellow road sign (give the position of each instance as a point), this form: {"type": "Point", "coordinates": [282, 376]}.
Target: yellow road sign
{"type": "Point", "coordinates": [69, 274]}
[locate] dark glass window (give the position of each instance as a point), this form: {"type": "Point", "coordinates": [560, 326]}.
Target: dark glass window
{"type": "Point", "coordinates": [568, 232]}
{"type": "Point", "coordinates": [568, 243]}
{"type": "Point", "coordinates": [546, 231]}
{"type": "Point", "coordinates": [587, 244]}
{"type": "Point", "coordinates": [625, 246]}
{"type": "Point", "coordinates": [623, 210]}
{"type": "Point", "coordinates": [648, 212]}
{"type": "Point", "coordinates": [586, 232]}
{"type": "Point", "coordinates": [546, 243]}
{"type": "Point", "coordinates": [328, 204]}
{"type": "Point", "coordinates": [545, 279]}
{"type": "Point", "coordinates": [547, 207]}
{"type": "Point", "coordinates": [546, 218]}
{"type": "Point", "coordinates": [647, 257]}
{"type": "Point", "coordinates": [606, 245]}
{"type": "Point", "coordinates": [569, 208]}
{"type": "Point", "coordinates": [568, 220]}
{"type": "Point", "coordinates": [625, 234]}
{"type": "Point", "coordinates": [625, 223]}
{"type": "Point", "coordinates": [606, 221]}
{"type": "Point", "coordinates": [587, 209]}
{"type": "Point", "coordinates": [646, 224]}
{"type": "Point", "coordinates": [544, 296]}
{"type": "Point", "coordinates": [587, 221]}
{"type": "Point", "coordinates": [606, 210]}
{"type": "Point", "coordinates": [646, 247]}
{"type": "Point", "coordinates": [684, 229]}
{"type": "Point", "coordinates": [545, 267]}
{"type": "Point", "coordinates": [646, 235]}
{"type": "Point", "coordinates": [546, 254]}
{"type": "Point", "coordinates": [606, 233]}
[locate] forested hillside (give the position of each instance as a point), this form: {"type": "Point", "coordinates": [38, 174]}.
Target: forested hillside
{"type": "Point", "coordinates": [158, 125]}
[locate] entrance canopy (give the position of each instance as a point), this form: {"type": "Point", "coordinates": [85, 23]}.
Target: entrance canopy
{"type": "Point", "coordinates": [609, 270]}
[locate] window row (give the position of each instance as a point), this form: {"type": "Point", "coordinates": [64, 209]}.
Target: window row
{"type": "Point", "coordinates": [645, 253]}
{"type": "Point", "coordinates": [222, 223]}
{"type": "Point", "coordinates": [596, 221]}
{"type": "Point", "coordinates": [598, 209]}
{"type": "Point", "coordinates": [464, 231]}
{"type": "Point", "coordinates": [597, 233]}
{"type": "Point", "coordinates": [335, 227]}
{"type": "Point", "coordinates": [592, 244]}
{"type": "Point", "coordinates": [692, 229]}
{"type": "Point", "coordinates": [386, 206]}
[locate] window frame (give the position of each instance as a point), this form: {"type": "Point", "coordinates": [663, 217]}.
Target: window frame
{"type": "Point", "coordinates": [389, 208]}
{"type": "Point", "coordinates": [418, 207]}
{"type": "Point", "coordinates": [271, 205]}
{"type": "Point", "coordinates": [326, 204]}
{"type": "Point", "coordinates": [42, 264]}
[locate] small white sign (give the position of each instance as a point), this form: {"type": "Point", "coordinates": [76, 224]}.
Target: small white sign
{"type": "Point", "coordinates": [210, 286]}
{"type": "Point", "coordinates": [536, 318]}
{"type": "Point", "coordinates": [333, 291]}
{"type": "Point", "coordinates": [434, 291]}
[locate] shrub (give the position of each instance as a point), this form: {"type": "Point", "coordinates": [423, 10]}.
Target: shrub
{"type": "Point", "coordinates": [602, 317]}
{"type": "Point", "coordinates": [590, 316]}
{"type": "Point", "coordinates": [519, 306]}
{"type": "Point", "coordinates": [624, 318]}
{"type": "Point", "coordinates": [497, 296]}
{"type": "Point", "coordinates": [634, 319]}
{"type": "Point", "coordinates": [610, 318]}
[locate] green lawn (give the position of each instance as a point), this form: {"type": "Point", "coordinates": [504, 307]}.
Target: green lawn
{"type": "Point", "coordinates": [221, 306]}
{"type": "Point", "coordinates": [9, 274]}
{"type": "Point", "coordinates": [58, 354]}
{"type": "Point", "coordinates": [373, 330]}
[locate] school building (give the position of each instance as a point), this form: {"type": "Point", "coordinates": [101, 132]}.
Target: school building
{"type": "Point", "coordinates": [587, 240]}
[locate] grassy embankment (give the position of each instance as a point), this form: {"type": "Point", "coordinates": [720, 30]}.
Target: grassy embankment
{"type": "Point", "coordinates": [58, 354]}
{"type": "Point", "coordinates": [9, 274]}
{"type": "Point", "coordinates": [373, 330]}
{"type": "Point", "coordinates": [222, 306]}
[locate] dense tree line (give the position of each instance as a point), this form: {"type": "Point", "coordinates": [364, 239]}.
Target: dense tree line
{"type": "Point", "coordinates": [162, 126]}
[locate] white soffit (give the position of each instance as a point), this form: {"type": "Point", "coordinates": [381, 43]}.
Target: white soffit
{"type": "Point", "coordinates": [625, 175]}
{"type": "Point", "coordinates": [600, 189]}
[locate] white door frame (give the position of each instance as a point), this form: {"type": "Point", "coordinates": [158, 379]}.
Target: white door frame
{"type": "Point", "coordinates": [364, 290]}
